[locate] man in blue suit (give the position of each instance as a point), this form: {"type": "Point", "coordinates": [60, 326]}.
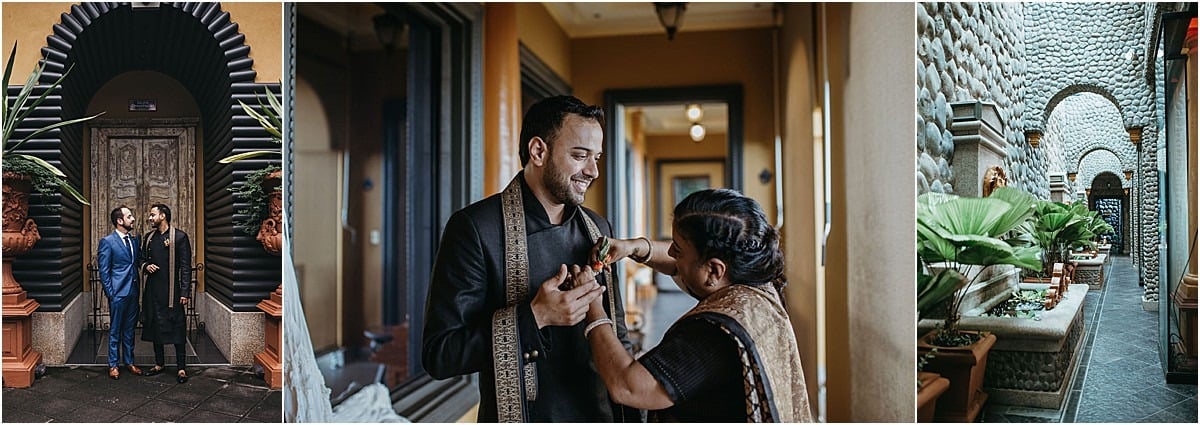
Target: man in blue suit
{"type": "Point", "coordinates": [118, 272]}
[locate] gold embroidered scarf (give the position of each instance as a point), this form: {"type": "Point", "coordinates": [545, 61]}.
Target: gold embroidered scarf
{"type": "Point", "coordinates": [773, 377]}
{"type": "Point", "coordinates": [511, 376]}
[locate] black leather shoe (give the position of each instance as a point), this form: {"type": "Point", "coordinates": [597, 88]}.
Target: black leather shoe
{"type": "Point", "coordinates": [182, 377]}
{"type": "Point", "coordinates": [154, 370]}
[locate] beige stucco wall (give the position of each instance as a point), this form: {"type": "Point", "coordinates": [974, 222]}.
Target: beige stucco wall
{"type": "Point", "coordinates": [30, 23]}
{"type": "Point", "coordinates": [880, 212]}
{"type": "Point", "coordinates": [317, 245]}
{"type": "Point", "coordinates": [541, 34]}
{"type": "Point", "coordinates": [651, 61]}
{"type": "Point", "coordinates": [803, 210]}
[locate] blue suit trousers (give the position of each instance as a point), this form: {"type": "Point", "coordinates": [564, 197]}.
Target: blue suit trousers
{"type": "Point", "coordinates": [123, 313]}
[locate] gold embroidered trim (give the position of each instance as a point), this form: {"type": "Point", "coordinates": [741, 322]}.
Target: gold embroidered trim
{"type": "Point", "coordinates": [509, 406]}
{"type": "Point", "coordinates": [594, 233]}
{"type": "Point", "coordinates": [505, 340]}
{"type": "Point", "coordinates": [531, 392]}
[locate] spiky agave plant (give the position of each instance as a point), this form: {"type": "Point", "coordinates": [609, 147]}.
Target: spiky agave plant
{"type": "Point", "coordinates": [46, 178]}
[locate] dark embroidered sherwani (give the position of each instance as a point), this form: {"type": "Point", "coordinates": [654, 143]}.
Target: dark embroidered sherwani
{"type": "Point", "coordinates": [163, 318]}
{"type": "Point", "coordinates": [468, 287]}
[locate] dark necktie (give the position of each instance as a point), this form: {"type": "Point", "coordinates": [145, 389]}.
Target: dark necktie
{"type": "Point", "coordinates": [129, 246]}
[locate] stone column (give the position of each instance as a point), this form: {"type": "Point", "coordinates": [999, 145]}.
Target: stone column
{"type": "Point", "coordinates": [978, 144]}
{"type": "Point", "coordinates": [1060, 190]}
{"type": "Point", "coordinates": [501, 95]}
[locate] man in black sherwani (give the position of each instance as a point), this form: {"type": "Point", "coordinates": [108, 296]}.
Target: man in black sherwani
{"type": "Point", "coordinates": [502, 301]}
{"type": "Point", "coordinates": [166, 255]}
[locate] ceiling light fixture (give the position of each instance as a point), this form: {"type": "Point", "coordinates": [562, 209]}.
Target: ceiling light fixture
{"type": "Point", "coordinates": [387, 29]}
{"type": "Point", "coordinates": [670, 15]}
{"type": "Point", "coordinates": [694, 113]}
{"type": "Point", "coordinates": [697, 132]}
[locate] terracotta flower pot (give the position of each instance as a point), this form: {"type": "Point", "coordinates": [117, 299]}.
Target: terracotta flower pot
{"type": "Point", "coordinates": [932, 387]}
{"type": "Point", "coordinates": [270, 234]}
{"type": "Point", "coordinates": [964, 367]}
{"type": "Point", "coordinates": [20, 231]}
{"type": "Point", "coordinates": [20, 362]}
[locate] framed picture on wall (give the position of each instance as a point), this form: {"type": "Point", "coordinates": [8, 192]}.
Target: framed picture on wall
{"type": "Point", "coordinates": [676, 179]}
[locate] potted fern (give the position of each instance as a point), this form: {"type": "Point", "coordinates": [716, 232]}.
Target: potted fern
{"type": "Point", "coordinates": [958, 240]}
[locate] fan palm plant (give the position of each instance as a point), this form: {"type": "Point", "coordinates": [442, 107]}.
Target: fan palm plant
{"type": "Point", "coordinates": [961, 238]}
{"type": "Point", "coordinates": [45, 177]}
{"type": "Point", "coordinates": [1056, 227]}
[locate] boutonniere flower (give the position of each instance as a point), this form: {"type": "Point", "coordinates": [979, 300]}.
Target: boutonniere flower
{"type": "Point", "coordinates": [167, 242]}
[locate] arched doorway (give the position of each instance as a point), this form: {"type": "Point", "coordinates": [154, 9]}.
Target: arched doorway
{"type": "Point", "coordinates": [1112, 201]}
{"type": "Point", "coordinates": [198, 46]}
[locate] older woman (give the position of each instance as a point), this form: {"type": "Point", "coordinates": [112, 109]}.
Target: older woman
{"type": "Point", "coordinates": [732, 358]}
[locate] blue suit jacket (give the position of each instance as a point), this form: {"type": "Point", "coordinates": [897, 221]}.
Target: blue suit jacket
{"type": "Point", "coordinates": [118, 269]}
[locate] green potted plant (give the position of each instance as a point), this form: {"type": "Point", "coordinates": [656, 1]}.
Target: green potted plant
{"type": "Point", "coordinates": [44, 177]}
{"type": "Point", "coordinates": [261, 189]}
{"type": "Point", "coordinates": [1055, 229]}
{"type": "Point", "coordinates": [24, 174]}
{"type": "Point", "coordinates": [963, 235]}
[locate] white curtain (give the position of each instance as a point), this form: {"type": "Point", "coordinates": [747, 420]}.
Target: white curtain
{"type": "Point", "coordinates": [305, 396]}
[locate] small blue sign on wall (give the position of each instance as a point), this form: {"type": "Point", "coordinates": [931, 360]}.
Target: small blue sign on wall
{"type": "Point", "coordinates": [143, 105]}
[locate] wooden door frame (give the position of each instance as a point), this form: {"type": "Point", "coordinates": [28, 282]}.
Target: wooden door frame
{"type": "Point", "coordinates": [100, 129]}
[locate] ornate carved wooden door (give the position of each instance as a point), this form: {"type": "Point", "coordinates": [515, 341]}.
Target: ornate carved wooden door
{"type": "Point", "coordinates": [138, 163]}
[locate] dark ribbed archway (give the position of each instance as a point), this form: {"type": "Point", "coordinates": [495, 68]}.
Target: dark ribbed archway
{"type": "Point", "coordinates": [198, 45]}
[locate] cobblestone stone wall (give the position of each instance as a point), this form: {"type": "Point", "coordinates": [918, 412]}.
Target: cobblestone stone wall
{"type": "Point", "coordinates": [1075, 47]}
{"type": "Point", "coordinates": [1081, 124]}
{"type": "Point", "coordinates": [1097, 162]}
{"type": "Point", "coordinates": [966, 52]}
{"type": "Point", "coordinates": [1085, 61]}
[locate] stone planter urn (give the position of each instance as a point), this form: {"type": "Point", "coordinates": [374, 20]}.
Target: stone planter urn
{"type": "Point", "coordinates": [932, 387]}
{"type": "Point", "coordinates": [964, 367]}
{"type": "Point", "coordinates": [20, 233]}
{"type": "Point", "coordinates": [270, 235]}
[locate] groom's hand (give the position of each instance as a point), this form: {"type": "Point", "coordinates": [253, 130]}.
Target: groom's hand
{"type": "Point", "coordinates": [554, 307]}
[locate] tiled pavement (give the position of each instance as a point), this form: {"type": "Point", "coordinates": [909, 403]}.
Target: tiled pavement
{"type": "Point", "coordinates": [1119, 377]}
{"type": "Point", "coordinates": [86, 394]}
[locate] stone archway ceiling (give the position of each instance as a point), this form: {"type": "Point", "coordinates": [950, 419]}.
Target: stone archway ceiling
{"type": "Point", "coordinates": [1081, 124]}
{"type": "Point", "coordinates": [204, 51]}
{"type": "Point", "coordinates": [1074, 45]}
{"type": "Point", "coordinates": [1098, 162]}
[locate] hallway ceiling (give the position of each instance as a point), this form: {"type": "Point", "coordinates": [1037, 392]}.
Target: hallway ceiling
{"type": "Point", "coordinates": [611, 19]}
{"type": "Point", "coordinates": [671, 120]}
{"type": "Point", "coordinates": [353, 21]}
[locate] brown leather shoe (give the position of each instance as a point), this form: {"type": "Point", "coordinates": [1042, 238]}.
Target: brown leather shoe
{"type": "Point", "coordinates": [135, 370]}
{"type": "Point", "coordinates": [114, 373]}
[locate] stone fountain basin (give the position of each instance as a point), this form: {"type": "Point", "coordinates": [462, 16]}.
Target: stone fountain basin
{"type": "Point", "coordinates": [1033, 361]}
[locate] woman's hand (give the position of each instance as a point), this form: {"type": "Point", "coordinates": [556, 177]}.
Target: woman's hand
{"type": "Point", "coordinates": [617, 249]}
{"type": "Point", "coordinates": [586, 276]}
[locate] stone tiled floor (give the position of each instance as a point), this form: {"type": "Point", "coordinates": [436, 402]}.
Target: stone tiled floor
{"type": "Point", "coordinates": [661, 312]}
{"type": "Point", "coordinates": [86, 394]}
{"type": "Point", "coordinates": [92, 349]}
{"type": "Point", "coordinates": [1119, 377]}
